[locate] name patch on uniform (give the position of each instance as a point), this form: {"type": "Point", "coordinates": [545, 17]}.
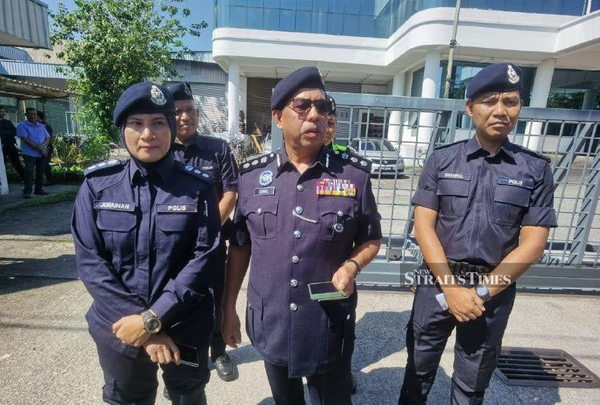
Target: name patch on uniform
{"type": "Point", "coordinates": [114, 206]}
{"type": "Point", "coordinates": [176, 208]}
{"type": "Point", "coordinates": [264, 191]}
{"type": "Point", "coordinates": [336, 187]}
{"type": "Point", "coordinates": [515, 182]}
{"type": "Point", "coordinates": [457, 176]}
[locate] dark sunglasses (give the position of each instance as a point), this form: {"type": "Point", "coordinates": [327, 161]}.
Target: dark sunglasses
{"type": "Point", "coordinates": [303, 105]}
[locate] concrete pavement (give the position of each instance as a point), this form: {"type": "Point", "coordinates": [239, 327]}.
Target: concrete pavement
{"type": "Point", "coordinates": [47, 356]}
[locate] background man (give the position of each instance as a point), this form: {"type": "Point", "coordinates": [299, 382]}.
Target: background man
{"type": "Point", "coordinates": [34, 143]}
{"type": "Point", "coordinates": [8, 131]}
{"type": "Point", "coordinates": [214, 156]}
{"type": "Point", "coordinates": [482, 217]}
{"type": "Point", "coordinates": [305, 214]}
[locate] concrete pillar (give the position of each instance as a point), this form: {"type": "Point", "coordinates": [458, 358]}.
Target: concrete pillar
{"type": "Point", "coordinates": [429, 90]}
{"type": "Point", "coordinates": [539, 98]}
{"type": "Point", "coordinates": [3, 178]}
{"type": "Point", "coordinates": [589, 99]}
{"type": "Point", "coordinates": [233, 97]}
{"type": "Point", "coordinates": [395, 118]}
{"type": "Point", "coordinates": [244, 100]}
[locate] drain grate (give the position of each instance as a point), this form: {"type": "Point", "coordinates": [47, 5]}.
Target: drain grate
{"type": "Point", "coordinates": [543, 368]}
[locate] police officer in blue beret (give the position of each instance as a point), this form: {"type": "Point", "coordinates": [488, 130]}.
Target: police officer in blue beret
{"type": "Point", "coordinates": [145, 231]}
{"type": "Point", "coordinates": [482, 217]}
{"type": "Point", "coordinates": [305, 214]}
{"type": "Point", "coordinates": [214, 156]}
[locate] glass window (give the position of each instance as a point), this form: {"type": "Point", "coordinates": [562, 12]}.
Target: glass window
{"type": "Point", "coordinates": [255, 18]}
{"type": "Point", "coordinates": [238, 2]}
{"type": "Point", "coordinates": [366, 26]}
{"type": "Point", "coordinates": [319, 23]}
{"type": "Point", "coordinates": [271, 19]}
{"type": "Point", "coordinates": [238, 17]}
{"type": "Point", "coordinates": [272, 3]}
{"type": "Point", "coordinates": [288, 4]}
{"type": "Point", "coordinates": [303, 21]}
{"type": "Point", "coordinates": [352, 7]}
{"type": "Point", "coordinates": [350, 25]}
{"type": "Point", "coordinates": [304, 5]}
{"type": "Point", "coordinates": [288, 20]}
{"type": "Point", "coordinates": [321, 5]}
{"type": "Point", "coordinates": [367, 7]}
{"type": "Point", "coordinates": [335, 24]}
{"type": "Point", "coordinates": [255, 3]}
{"type": "Point", "coordinates": [336, 6]}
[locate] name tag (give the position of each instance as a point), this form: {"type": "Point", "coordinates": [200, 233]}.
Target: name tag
{"type": "Point", "coordinates": [264, 191]}
{"type": "Point", "coordinates": [176, 208]}
{"type": "Point", "coordinates": [506, 181]}
{"type": "Point", "coordinates": [114, 206]}
{"type": "Point", "coordinates": [456, 176]}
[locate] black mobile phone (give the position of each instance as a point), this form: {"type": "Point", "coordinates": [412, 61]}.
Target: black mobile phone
{"type": "Point", "coordinates": [189, 355]}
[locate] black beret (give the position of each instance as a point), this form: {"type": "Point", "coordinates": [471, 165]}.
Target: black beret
{"type": "Point", "coordinates": [499, 77]}
{"type": "Point", "coordinates": [307, 77]}
{"type": "Point", "coordinates": [332, 107]}
{"type": "Point", "coordinates": [143, 98]}
{"type": "Point", "coordinates": [181, 91]}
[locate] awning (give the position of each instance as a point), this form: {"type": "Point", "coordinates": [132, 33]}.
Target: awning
{"type": "Point", "coordinates": [29, 91]}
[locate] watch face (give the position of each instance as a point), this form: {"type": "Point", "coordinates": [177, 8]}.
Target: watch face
{"type": "Point", "coordinates": [152, 325]}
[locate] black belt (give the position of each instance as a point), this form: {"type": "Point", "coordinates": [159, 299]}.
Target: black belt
{"type": "Point", "coordinates": [464, 268]}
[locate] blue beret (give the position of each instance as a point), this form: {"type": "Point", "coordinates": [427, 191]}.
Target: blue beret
{"type": "Point", "coordinates": [181, 91]}
{"type": "Point", "coordinates": [307, 77]}
{"type": "Point", "coordinates": [332, 107]}
{"type": "Point", "coordinates": [143, 98]}
{"type": "Point", "coordinates": [499, 77]}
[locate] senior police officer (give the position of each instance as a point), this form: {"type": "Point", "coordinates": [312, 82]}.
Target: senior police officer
{"type": "Point", "coordinates": [214, 156]}
{"type": "Point", "coordinates": [305, 214]}
{"type": "Point", "coordinates": [482, 217]}
{"type": "Point", "coordinates": [145, 231]}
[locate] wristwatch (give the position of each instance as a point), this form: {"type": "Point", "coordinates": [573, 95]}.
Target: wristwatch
{"type": "Point", "coordinates": [151, 322]}
{"type": "Point", "coordinates": [483, 292]}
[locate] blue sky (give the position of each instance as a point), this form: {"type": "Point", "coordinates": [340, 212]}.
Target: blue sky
{"type": "Point", "coordinates": [201, 10]}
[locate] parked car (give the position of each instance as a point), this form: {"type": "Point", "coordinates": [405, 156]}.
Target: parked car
{"type": "Point", "coordinates": [385, 157]}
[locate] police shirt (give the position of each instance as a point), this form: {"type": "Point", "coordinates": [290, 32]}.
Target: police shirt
{"type": "Point", "coordinates": [484, 199]}
{"type": "Point", "coordinates": [302, 227]}
{"type": "Point", "coordinates": [143, 242]}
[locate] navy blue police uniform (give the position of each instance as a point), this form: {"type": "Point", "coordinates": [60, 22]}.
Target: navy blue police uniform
{"type": "Point", "coordinates": [143, 239]}
{"type": "Point", "coordinates": [214, 156]}
{"type": "Point", "coordinates": [482, 201]}
{"type": "Point", "coordinates": [302, 228]}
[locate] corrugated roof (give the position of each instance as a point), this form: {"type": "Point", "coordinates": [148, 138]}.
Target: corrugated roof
{"type": "Point", "coordinates": [31, 69]}
{"type": "Point", "coordinates": [29, 91]}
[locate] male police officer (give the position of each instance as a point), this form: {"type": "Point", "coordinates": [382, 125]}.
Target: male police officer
{"type": "Point", "coordinates": [145, 232]}
{"type": "Point", "coordinates": [482, 217]}
{"type": "Point", "coordinates": [305, 214]}
{"type": "Point", "coordinates": [214, 156]}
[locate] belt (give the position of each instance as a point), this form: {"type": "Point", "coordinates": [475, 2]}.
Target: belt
{"type": "Point", "coordinates": [464, 268]}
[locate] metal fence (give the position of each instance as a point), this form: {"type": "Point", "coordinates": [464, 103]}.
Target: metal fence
{"type": "Point", "coordinates": [415, 126]}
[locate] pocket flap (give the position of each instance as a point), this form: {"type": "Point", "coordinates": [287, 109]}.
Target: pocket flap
{"type": "Point", "coordinates": [117, 221]}
{"type": "Point", "coordinates": [337, 205]}
{"type": "Point", "coordinates": [176, 221]}
{"type": "Point", "coordinates": [513, 195]}
{"type": "Point", "coordinates": [260, 205]}
{"type": "Point", "coordinates": [457, 185]}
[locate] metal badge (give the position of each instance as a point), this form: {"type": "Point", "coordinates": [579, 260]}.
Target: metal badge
{"type": "Point", "coordinates": [265, 178]}
{"type": "Point", "coordinates": [157, 96]}
{"type": "Point", "coordinates": [338, 227]}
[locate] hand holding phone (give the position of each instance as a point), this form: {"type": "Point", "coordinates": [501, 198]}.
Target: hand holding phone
{"type": "Point", "coordinates": [325, 291]}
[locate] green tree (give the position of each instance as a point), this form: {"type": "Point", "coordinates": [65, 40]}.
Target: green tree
{"type": "Point", "coordinates": [566, 100]}
{"type": "Point", "coordinates": [110, 44]}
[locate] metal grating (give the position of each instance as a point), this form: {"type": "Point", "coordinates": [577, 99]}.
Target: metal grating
{"type": "Point", "coordinates": [543, 368]}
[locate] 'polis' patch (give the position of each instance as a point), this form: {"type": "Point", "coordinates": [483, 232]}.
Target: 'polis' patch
{"type": "Point", "coordinates": [505, 181]}
{"type": "Point", "coordinates": [114, 206]}
{"type": "Point", "coordinates": [176, 208]}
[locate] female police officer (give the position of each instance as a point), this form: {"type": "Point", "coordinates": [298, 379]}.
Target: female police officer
{"type": "Point", "coordinates": [145, 230]}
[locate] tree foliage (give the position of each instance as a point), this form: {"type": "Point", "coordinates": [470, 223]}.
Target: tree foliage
{"type": "Point", "coordinates": [111, 44]}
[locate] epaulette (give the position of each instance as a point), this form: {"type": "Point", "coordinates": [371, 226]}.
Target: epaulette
{"type": "Point", "coordinates": [193, 171]}
{"type": "Point", "coordinates": [260, 161]}
{"type": "Point", "coordinates": [451, 144]}
{"type": "Point", "coordinates": [353, 158]}
{"type": "Point", "coordinates": [102, 168]}
{"type": "Point", "coordinates": [536, 154]}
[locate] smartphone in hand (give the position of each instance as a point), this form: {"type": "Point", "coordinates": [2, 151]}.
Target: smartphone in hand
{"type": "Point", "coordinates": [325, 291]}
{"type": "Point", "coordinates": [189, 355]}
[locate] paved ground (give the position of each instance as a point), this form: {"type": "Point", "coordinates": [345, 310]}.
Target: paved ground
{"type": "Point", "coordinates": [47, 356]}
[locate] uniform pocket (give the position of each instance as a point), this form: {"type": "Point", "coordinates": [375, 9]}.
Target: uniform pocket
{"type": "Point", "coordinates": [340, 328]}
{"type": "Point", "coordinates": [338, 223]}
{"type": "Point", "coordinates": [453, 192]}
{"type": "Point", "coordinates": [176, 235]}
{"type": "Point", "coordinates": [511, 200]}
{"type": "Point", "coordinates": [262, 216]}
{"type": "Point", "coordinates": [117, 231]}
{"type": "Point", "coordinates": [254, 319]}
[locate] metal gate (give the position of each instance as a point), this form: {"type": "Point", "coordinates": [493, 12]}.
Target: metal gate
{"type": "Point", "coordinates": [415, 126]}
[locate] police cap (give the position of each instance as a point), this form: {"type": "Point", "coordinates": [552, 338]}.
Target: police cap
{"type": "Point", "coordinates": [499, 77]}
{"type": "Point", "coordinates": [143, 98]}
{"type": "Point", "coordinates": [181, 91]}
{"type": "Point", "coordinates": [307, 77]}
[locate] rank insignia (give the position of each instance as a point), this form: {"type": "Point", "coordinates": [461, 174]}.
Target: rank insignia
{"type": "Point", "coordinates": [336, 187]}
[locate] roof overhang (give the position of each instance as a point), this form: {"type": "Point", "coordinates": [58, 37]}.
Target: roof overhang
{"type": "Point", "coordinates": [29, 91]}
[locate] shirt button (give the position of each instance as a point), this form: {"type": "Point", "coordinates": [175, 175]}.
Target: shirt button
{"type": "Point", "coordinates": [300, 187]}
{"type": "Point", "coordinates": [293, 307]}
{"type": "Point", "coordinates": [299, 210]}
{"type": "Point", "coordinates": [340, 214]}
{"type": "Point", "coordinates": [348, 317]}
{"type": "Point", "coordinates": [294, 283]}
{"type": "Point", "coordinates": [297, 234]}
{"type": "Point", "coordinates": [259, 211]}
{"type": "Point", "coordinates": [295, 259]}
